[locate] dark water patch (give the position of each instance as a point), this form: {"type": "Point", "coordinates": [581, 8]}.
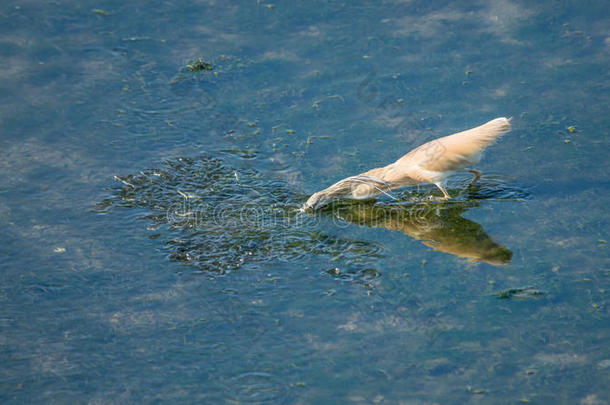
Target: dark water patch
{"type": "Point", "coordinates": [519, 293]}
{"type": "Point", "coordinates": [217, 217]}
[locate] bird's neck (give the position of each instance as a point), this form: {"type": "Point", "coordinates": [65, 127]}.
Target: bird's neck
{"type": "Point", "coordinates": [393, 174]}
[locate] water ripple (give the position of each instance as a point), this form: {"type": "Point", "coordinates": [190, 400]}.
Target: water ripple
{"type": "Point", "coordinates": [257, 388]}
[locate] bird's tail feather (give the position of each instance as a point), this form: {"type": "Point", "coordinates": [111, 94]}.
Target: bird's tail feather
{"type": "Point", "coordinates": [491, 130]}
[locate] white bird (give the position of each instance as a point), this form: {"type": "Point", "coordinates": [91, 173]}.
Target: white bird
{"type": "Point", "coordinates": [431, 162]}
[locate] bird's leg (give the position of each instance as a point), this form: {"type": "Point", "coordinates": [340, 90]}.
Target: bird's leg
{"type": "Point", "coordinates": [477, 176]}
{"type": "Point", "coordinates": [443, 190]}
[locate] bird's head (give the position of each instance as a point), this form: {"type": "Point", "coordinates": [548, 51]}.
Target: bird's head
{"type": "Point", "coordinates": [317, 200]}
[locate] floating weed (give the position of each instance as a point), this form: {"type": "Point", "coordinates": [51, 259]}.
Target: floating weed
{"type": "Point", "coordinates": [220, 65]}
{"type": "Point", "coordinates": [334, 271]}
{"type": "Point", "coordinates": [476, 391]}
{"type": "Point", "coordinates": [522, 293]}
{"type": "Point", "coordinates": [198, 65]}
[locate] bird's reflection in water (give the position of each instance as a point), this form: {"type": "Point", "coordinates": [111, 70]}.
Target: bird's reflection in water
{"type": "Point", "coordinates": [437, 225]}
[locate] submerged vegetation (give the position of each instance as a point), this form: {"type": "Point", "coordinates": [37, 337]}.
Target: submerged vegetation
{"type": "Point", "coordinates": [218, 217]}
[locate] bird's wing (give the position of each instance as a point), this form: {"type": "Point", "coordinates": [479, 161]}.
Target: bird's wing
{"type": "Point", "coordinates": [454, 152]}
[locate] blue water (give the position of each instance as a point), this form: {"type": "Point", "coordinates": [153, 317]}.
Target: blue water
{"type": "Point", "coordinates": [152, 249]}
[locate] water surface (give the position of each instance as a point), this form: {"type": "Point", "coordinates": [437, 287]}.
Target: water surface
{"type": "Point", "coordinates": [153, 250]}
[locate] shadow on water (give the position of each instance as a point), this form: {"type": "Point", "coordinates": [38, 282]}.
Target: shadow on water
{"type": "Point", "coordinates": [438, 226]}
{"type": "Point", "coordinates": [217, 216]}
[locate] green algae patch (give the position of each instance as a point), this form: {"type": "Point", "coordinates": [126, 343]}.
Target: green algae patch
{"type": "Point", "coordinates": [101, 12]}
{"type": "Point", "coordinates": [199, 65]}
